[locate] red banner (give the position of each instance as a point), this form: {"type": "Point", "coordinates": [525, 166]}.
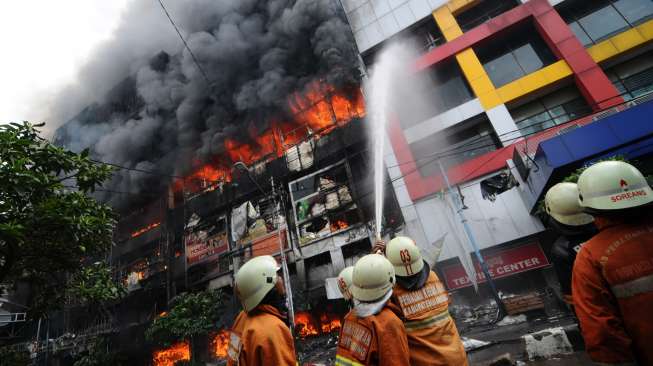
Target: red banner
{"type": "Point", "coordinates": [500, 264]}
{"type": "Point", "coordinates": [201, 247]}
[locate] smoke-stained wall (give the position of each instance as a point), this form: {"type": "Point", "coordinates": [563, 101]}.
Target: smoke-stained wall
{"type": "Point", "coordinates": [163, 113]}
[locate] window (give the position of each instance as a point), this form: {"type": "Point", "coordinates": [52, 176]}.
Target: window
{"type": "Point", "coordinates": [425, 33]}
{"type": "Point", "coordinates": [555, 108]}
{"type": "Point", "coordinates": [516, 55]}
{"type": "Point", "coordinates": [431, 92]}
{"type": "Point", "coordinates": [633, 78]}
{"type": "Point", "coordinates": [596, 20]}
{"type": "Point", "coordinates": [484, 11]}
{"type": "Point", "coordinates": [455, 145]}
{"type": "Point", "coordinates": [323, 204]}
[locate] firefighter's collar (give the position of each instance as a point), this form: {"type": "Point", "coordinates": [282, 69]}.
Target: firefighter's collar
{"type": "Point", "coordinates": [365, 309]}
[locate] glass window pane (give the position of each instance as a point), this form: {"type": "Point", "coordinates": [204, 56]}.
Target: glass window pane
{"type": "Point", "coordinates": [603, 23]}
{"type": "Point", "coordinates": [580, 34]}
{"type": "Point", "coordinates": [528, 59]}
{"type": "Point", "coordinates": [576, 109]}
{"type": "Point", "coordinates": [635, 11]}
{"type": "Point", "coordinates": [503, 70]}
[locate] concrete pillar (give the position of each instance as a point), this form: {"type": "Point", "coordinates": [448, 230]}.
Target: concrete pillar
{"type": "Point", "coordinates": [337, 260]}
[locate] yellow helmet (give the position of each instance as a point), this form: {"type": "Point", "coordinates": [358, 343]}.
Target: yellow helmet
{"type": "Point", "coordinates": [372, 278]}
{"type": "Point", "coordinates": [561, 203]}
{"type": "Point", "coordinates": [613, 185]}
{"type": "Point", "coordinates": [255, 279]}
{"type": "Point", "coordinates": [404, 255]}
{"type": "Point", "coordinates": [344, 281]}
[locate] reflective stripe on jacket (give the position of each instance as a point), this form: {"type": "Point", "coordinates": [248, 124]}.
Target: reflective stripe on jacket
{"type": "Point", "coordinates": [376, 340]}
{"type": "Point", "coordinates": [612, 287]}
{"type": "Point", "coordinates": [432, 335]}
{"type": "Point", "coordinates": [261, 337]}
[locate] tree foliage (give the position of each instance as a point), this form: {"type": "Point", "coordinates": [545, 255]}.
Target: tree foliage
{"type": "Point", "coordinates": [192, 315]}
{"type": "Point", "coordinates": [99, 354]}
{"type": "Point", "coordinates": [94, 284]}
{"type": "Point", "coordinates": [48, 221]}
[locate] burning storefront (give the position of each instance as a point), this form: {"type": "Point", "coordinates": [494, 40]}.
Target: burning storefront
{"type": "Point", "coordinates": [238, 153]}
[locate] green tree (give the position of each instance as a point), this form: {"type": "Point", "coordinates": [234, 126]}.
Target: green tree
{"type": "Point", "coordinates": [49, 223]}
{"type": "Point", "coordinates": [99, 354]}
{"type": "Point", "coordinates": [192, 317]}
{"type": "Point", "coordinates": [95, 284]}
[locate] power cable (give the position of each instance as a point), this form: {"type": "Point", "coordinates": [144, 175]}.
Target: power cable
{"type": "Point", "coordinates": [192, 55]}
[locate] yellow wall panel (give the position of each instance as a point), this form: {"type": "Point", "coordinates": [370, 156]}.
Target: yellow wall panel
{"type": "Point", "coordinates": [490, 100]}
{"type": "Point", "coordinates": [627, 40]}
{"type": "Point", "coordinates": [602, 51]}
{"type": "Point", "coordinates": [510, 91]}
{"type": "Point", "coordinates": [533, 81]}
{"type": "Point", "coordinates": [646, 30]}
{"type": "Point", "coordinates": [556, 71]}
{"type": "Point", "coordinates": [622, 42]}
{"type": "Point", "coordinates": [447, 23]}
{"type": "Point", "coordinates": [470, 64]}
{"type": "Point", "coordinates": [456, 6]}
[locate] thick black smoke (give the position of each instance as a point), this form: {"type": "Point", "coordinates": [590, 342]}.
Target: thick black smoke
{"type": "Point", "coordinates": [161, 113]}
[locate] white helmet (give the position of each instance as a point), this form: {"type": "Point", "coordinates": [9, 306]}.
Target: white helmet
{"type": "Point", "coordinates": [613, 185]}
{"type": "Point", "coordinates": [404, 255]}
{"type": "Point", "coordinates": [255, 279]}
{"type": "Point", "coordinates": [561, 202]}
{"type": "Point", "coordinates": [373, 277]}
{"type": "Point", "coordinates": [344, 281]}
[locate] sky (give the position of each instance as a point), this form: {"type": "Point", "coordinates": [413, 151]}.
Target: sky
{"type": "Point", "coordinates": [44, 43]}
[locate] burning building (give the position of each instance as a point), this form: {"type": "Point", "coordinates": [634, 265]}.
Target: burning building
{"type": "Point", "coordinates": [252, 144]}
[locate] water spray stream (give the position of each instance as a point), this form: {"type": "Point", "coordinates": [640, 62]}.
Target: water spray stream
{"type": "Point", "coordinates": [380, 85]}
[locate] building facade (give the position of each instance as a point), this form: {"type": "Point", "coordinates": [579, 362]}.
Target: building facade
{"type": "Point", "coordinates": [512, 80]}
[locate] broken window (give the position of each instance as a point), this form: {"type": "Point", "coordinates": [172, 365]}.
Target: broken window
{"type": "Point", "coordinates": [323, 203]}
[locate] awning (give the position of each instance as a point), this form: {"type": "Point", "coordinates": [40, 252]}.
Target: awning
{"type": "Point", "coordinates": [628, 133]}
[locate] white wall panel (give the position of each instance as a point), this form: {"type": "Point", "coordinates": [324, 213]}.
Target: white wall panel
{"type": "Point", "coordinates": [389, 25]}
{"type": "Point", "coordinates": [420, 8]}
{"type": "Point", "coordinates": [492, 223]}
{"type": "Point", "coordinates": [381, 7]}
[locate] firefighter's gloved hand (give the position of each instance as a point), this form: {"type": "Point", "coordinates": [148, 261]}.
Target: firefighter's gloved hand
{"type": "Point", "coordinates": [379, 247]}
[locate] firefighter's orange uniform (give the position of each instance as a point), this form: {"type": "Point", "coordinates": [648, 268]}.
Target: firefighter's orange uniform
{"type": "Point", "coordinates": [432, 334]}
{"type": "Point", "coordinates": [612, 287]}
{"type": "Point", "coordinates": [261, 338]}
{"type": "Point", "coordinates": [376, 340]}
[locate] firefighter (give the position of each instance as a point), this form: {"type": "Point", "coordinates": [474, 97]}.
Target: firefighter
{"type": "Point", "coordinates": [612, 281]}
{"type": "Point", "coordinates": [260, 335]}
{"type": "Point", "coordinates": [344, 283]}
{"type": "Point", "coordinates": [432, 334]}
{"type": "Point", "coordinates": [574, 226]}
{"type": "Point", "coordinates": [372, 334]}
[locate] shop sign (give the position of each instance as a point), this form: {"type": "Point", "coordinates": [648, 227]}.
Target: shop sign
{"type": "Point", "coordinates": [200, 247]}
{"type": "Point", "coordinates": [500, 264]}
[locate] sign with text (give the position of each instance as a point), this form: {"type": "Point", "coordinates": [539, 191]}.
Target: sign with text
{"type": "Point", "coordinates": [500, 264]}
{"type": "Point", "coordinates": [206, 243]}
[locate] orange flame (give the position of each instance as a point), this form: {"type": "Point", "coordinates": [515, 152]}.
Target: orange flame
{"type": "Point", "coordinates": [142, 231]}
{"type": "Point", "coordinates": [329, 323]}
{"type": "Point", "coordinates": [320, 109]}
{"type": "Point", "coordinates": [307, 325]}
{"type": "Point", "coordinates": [220, 344]}
{"type": "Point", "coordinates": [169, 356]}
{"type": "Point", "coordinates": [339, 225]}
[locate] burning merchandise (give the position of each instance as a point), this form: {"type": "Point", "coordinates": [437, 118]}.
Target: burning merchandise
{"type": "Point", "coordinates": [220, 344]}
{"type": "Point", "coordinates": [300, 156]}
{"type": "Point", "coordinates": [307, 325]}
{"type": "Point", "coordinates": [171, 355]}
